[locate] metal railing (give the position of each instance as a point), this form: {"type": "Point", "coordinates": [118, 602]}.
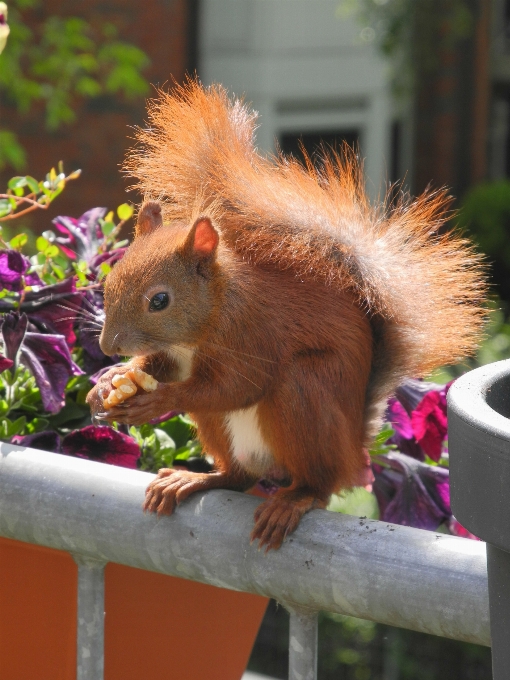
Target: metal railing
{"type": "Point", "coordinates": [396, 575]}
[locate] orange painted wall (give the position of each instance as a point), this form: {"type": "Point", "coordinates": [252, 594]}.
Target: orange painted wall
{"type": "Point", "coordinates": [155, 626]}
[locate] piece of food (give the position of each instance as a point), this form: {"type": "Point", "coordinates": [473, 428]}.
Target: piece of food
{"type": "Point", "coordinates": [115, 398]}
{"type": "Point", "coordinates": [126, 386]}
{"type": "Point", "coordinates": [144, 380]}
{"type": "Point", "coordinates": [124, 383]}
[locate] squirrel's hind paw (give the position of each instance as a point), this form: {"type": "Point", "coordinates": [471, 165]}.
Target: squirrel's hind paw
{"type": "Point", "coordinates": [280, 515]}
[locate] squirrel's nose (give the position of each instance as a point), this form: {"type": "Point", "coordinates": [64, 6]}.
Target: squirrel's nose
{"type": "Point", "coordinates": [110, 345]}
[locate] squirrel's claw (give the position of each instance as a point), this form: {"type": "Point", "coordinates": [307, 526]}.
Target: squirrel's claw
{"type": "Point", "coordinates": [279, 516]}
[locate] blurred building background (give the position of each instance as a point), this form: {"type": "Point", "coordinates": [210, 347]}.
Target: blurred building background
{"type": "Point", "coordinates": [314, 70]}
{"type": "Point", "coordinates": [308, 72]}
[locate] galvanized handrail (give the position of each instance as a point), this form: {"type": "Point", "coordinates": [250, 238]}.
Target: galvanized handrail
{"type": "Point", "coordinates": [396, 575]}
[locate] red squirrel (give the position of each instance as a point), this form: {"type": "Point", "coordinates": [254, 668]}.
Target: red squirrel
{"type": "Point", "coordinates": [276, 306]}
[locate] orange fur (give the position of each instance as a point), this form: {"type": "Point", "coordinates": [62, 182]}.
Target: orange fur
{"type": "Point", "coordinates": [295, 308]}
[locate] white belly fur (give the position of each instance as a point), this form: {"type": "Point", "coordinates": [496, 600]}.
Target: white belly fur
{"type": "Point", "coordinates": [247, 443]}
{"type": "Point", "coordinates": [183, 357]}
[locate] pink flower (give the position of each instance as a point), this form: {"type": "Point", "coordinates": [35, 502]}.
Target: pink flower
{"type": "Point", "coordinates": [429, 423]}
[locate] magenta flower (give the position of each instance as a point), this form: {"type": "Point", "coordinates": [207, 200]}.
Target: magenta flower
{"type": "Point", "coordinates": [5, 363]}
{"type": "Point", "coordinates": [456, 528]}
{"type": "Point", "coordinates": [418, 417]}
{"type": "Point", "coordinates": [104, 444]}
{"type": "Point", "coordinates": [99, 443]}
{"type": "Point", "coordinates": [430, 424]}
{"type": "Point", "coordinates": [403, 437]}
{"type": "Point", "coordinates": [412, 391]}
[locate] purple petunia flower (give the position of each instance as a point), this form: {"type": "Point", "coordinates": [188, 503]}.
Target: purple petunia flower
{"type": "Point", "coordinates": [48, 440]}
{"type": "Point", "coordinates": [54, 309]}
{"type": "Point", "coordinates": [13, 271]}
{"type": "Point", "coordinates": [14, 328]}
{"type": "Point", "coordinates": [104, 444]}
{"type": "Point", "coordinates": [50, 361]}
{"type": "Point", "coordinates": [410, 492]}
{"type": "Point", "coordinates": [82, 236]}
{"type": "Point", "coordinates": [47, 356]}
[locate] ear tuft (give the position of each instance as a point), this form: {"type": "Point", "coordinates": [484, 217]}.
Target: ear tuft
{"type": "Point", "coordinates": [149, 218]}
{"type": "Point", "coordinates": [203, 237]}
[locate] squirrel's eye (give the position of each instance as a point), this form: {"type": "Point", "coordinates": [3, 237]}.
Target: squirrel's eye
{"type": "Point", "coordinates": [159, 302]}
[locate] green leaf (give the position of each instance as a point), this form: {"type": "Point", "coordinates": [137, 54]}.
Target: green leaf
{"type": "Point", "coordinates": [87, 86]}
{"type": "Point", "coordinates": [180, 428]}
{"type": "Point", "coordinates": [17, 183]}
{"type": "Point", "coordinates": [16, 427]}
{"type": "Point", "coordinates": [71, 413]}
{"type": "Point", "coordinates": [18, 241]}
{"type": "Point", "coordinates": [41, 244]}
{"type": "Point", "coordinates": [37, 425]}
{"type": "Point", "coordinates": [125, 211]}
{"type": "Point", "coordinates": [104, 270]}
{"type": "Point", "coordinates": [33, 184]}
{"type": "Point", "coordinates": [107, 228]}
{"type": "Point", "coordinates": [165, 441]}
{"type": "Point", "coordinates": [58, 271]}
{"type": "Point", "coordinates": [52, 250]}
{"type": "Point", "coordinates": [5, 207]}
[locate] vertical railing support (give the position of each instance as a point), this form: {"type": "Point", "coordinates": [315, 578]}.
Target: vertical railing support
{"type": "Point", "coordinates": [498, 568]}
{"type": "Point", "coordinates": [303, 645]}
{"type": "Point", "coordinates": [90, 642]}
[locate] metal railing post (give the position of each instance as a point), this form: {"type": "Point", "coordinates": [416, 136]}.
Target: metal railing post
{"type": "Point", "coordinates": [90, 638]}
{"type": "Point", "coordinates": [303, 645]}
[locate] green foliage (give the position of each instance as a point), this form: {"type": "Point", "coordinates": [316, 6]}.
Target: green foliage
{"type": "Point", "coordinates": [20, 402]}
{"type": "Point", "coordinates": [166, 443]}
{"type": "Point", "coordinates": [29, 194]}
{"type": "Point", "coordinates": [485, 212]}
{"type": "Point", "coordinates": [62, 62]}
{"type": "Point", "coordinates": [485, 215]}
{"type": "Point", "coordinates": [495, 347]}
{"type": "Point", "coordinates": [358, 502]}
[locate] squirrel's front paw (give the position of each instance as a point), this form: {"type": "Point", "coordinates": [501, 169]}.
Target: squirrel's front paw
{"type": "Point", "coordinates": [141, 408]}
{"type": "Point", "coordinates": [96, 396]}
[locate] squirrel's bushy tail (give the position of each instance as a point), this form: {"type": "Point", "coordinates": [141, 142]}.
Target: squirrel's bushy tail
{"type": "Point", "coordinates": [423, 287]}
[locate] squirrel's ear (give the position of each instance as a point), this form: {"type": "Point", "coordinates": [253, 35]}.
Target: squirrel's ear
{"type": "Point", "coordinates": [203, 238]}
{"type": "Point", "coordinates": [149, 218]}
